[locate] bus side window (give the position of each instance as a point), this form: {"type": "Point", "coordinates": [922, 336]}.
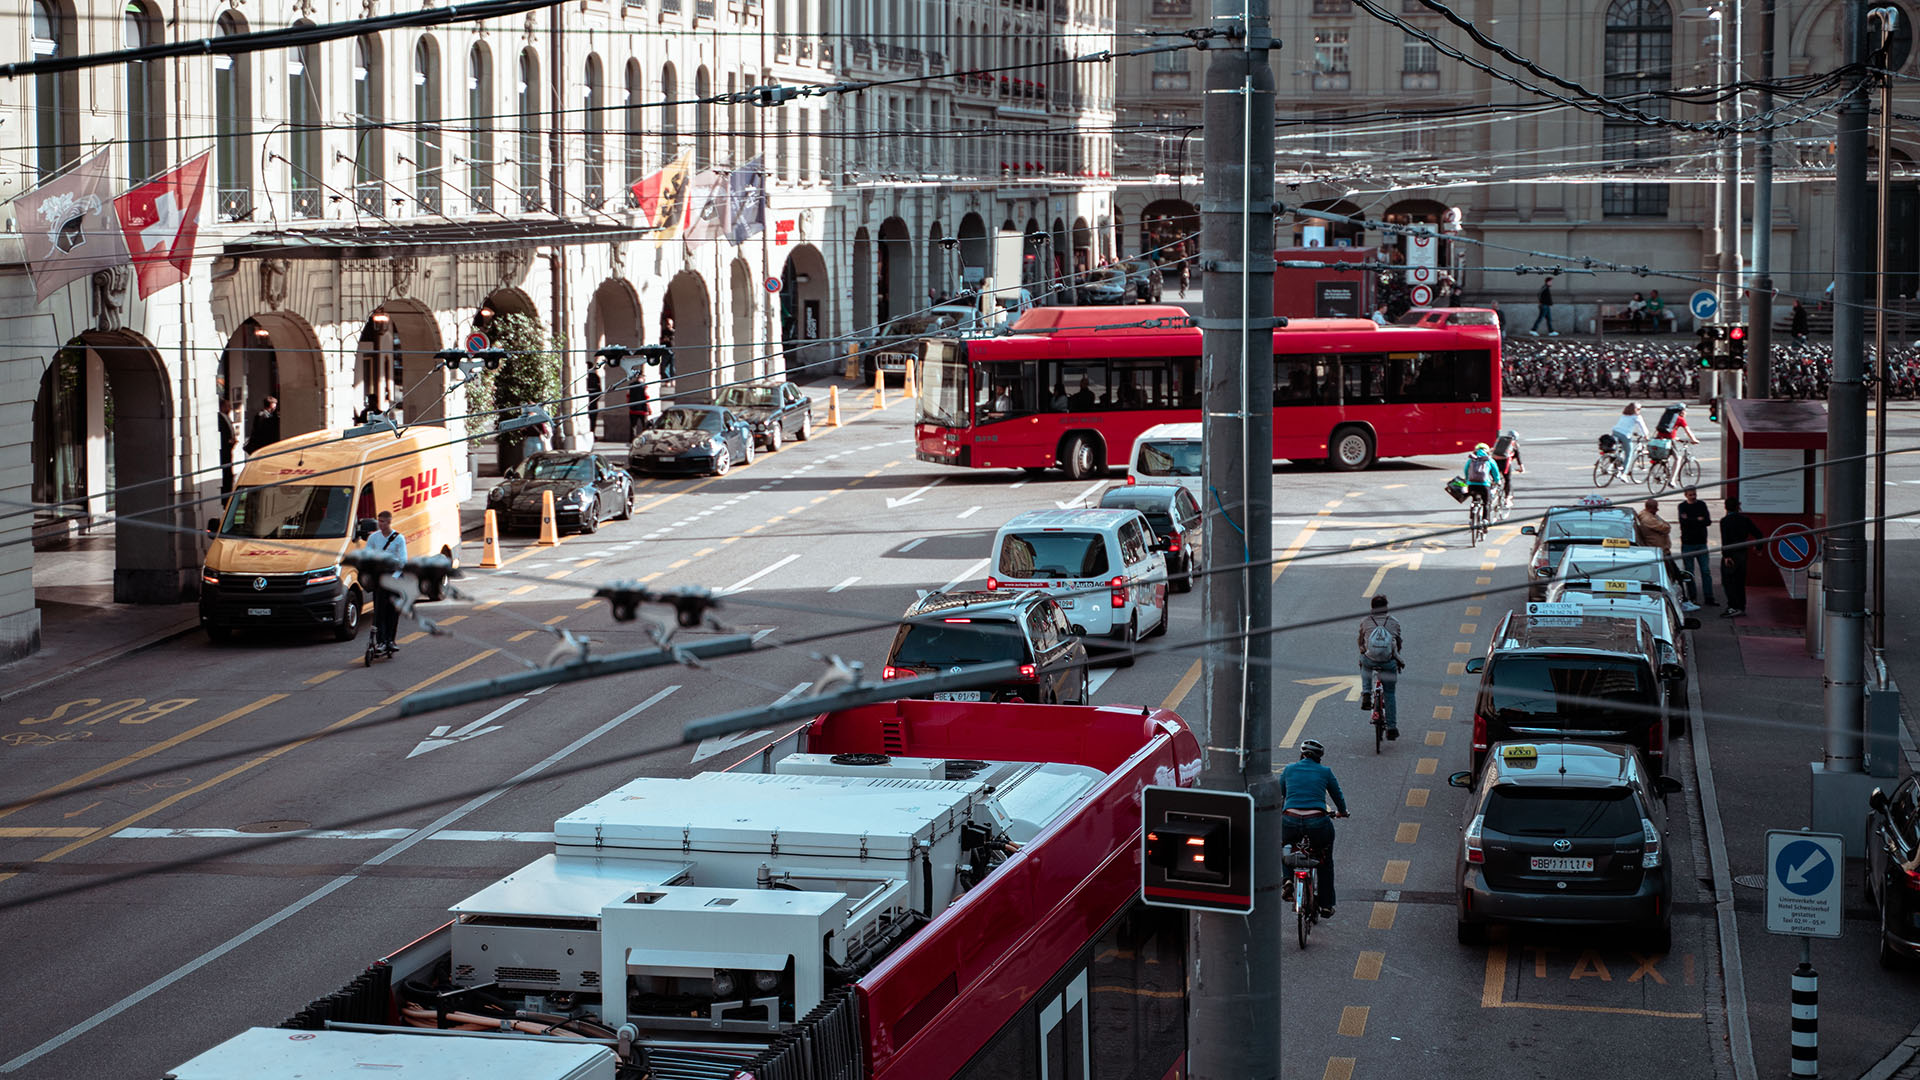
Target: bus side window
{"type": "Point", "coordinates": [366, 506]}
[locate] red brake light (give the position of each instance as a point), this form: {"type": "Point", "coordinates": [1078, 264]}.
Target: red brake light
{"type": "Point", "coordinates": [992, 584]}
{"type": "Point", "coordinates": [1912, 874]}
{"type": "Point", "coordinates": [957, 620]}
{"type": "Point", "coordinates": [1173, 542]}
{"type": "Point", "coordinates": [1118, 585]}
{"type": "Point", "coordinates": [1129, 478]}
{"type": "Point", "coordinates": [1657, 741]}
{"type": "Point", "coordinates": [1028, 671]}
{"type": "Point", "coordinates": [1479, 732]}
{"type": "Point", "coordinates": [891, 672]}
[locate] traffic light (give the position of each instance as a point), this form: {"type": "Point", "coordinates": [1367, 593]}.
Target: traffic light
{"type": "Point", "coordinates": [1197, 849]}
{"type": "Point", "coordinates": [1737, 346]}
{"type": "Point", "coordinates": [1706, 345]}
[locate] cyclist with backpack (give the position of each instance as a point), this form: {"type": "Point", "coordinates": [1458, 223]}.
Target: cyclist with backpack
{"type": "Point", "coordinates": [1379, 641]}
{"type": "Point", "coordinates": [1506, 454]}
{"type": "Point", "coordinates": [1482, 476]}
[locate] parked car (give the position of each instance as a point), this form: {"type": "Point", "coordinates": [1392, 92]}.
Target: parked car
{"type": "Point", "coordinates": [1107, 285]}
{"type": "Point", "coordinates": [1580, 677]}
{"type": "Point", "coordinates": [1175, 516]}
{"type": "Point", "coordinates": [1146, 278]}
{"type": "Point", "coordinates": [1662, 618]}
{"type": "Point", "coordinates": [692, 439]}
{"type": "Point", "coordinates": [1893, 869]}
{"type": "Point", "coordinates": [900, 339]}
{"type": "Point", "coordinates": [1615, 561]}
{"type": "Point", "coordinates": [775, 412]}
{"type": "Point", "coordinates": [1565, 833]}
{"type": "Point", "coordinates": [587, 489]}
{"type": "Point", "coordinates": [948, 630]}
{"type": "Point", "coordinates": [1562, 527]}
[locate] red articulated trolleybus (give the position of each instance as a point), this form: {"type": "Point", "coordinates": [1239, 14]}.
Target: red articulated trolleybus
{"type": "Point", "coordinates": [1071, 388]}
{"type": "Point", "coordinates": [901, 891]}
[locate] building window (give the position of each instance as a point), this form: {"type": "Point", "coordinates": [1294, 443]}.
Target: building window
{"type": "Point", "coordinates": [1638, 65]}
{"type": "Point", "coordinates": [426, 124]}
{"type": "Point", "coordinates": [146, 96]}
{"type": "Point", "coordinates": [1173, 7]}
{"type": "Point", "coordinates": [1170, 71]}
{"type": "Point", "coordinates": [369, 118]}
{"type": "Point", "coordinates": [304, 126]}
{"type": "Point", "coordinates": [480, 128]}
{"type": "Point", "coordinates": [56, 117]}
{"type": "Point", "coordinates": [595, 125]}
{"type": "Point", "coordinates": [233, 126]}
{"type": "Point", "coordinates": [1419, 65]}
{"type": "Point", "coordinates": [632, 95]}
{"type": "Point", "coordinates": [702, 119]}
{"type": "Point", "coordinates": [1417, 139]}
{"type": "Point", "coordinates": [1333, 7]}
{"type": "Point", "coordinates": [1330, 70]}
{"type": "Point", "coordinates": [806, 146]}
{"type": "Point", "coordinates": [669, 116]}
{"type": "Point", "coordinates": [527, 103]}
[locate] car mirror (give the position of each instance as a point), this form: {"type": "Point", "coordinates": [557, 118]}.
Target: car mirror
{"type": "Point", "coordinates": [510, 474]}
{"type": "Point", "coordinates": [213, 526]}
{"type": "Point", "coordinates": [1528, 530]}
{"type": "Point", "coordinates": [366, 527]}
{"type": "Point", "coordinates": [1460, 779]}
{"type": "Point", "coordinates": [1672, 672]}
{"type": "Point", "coordinates": [1543, 571]}
{"type": "Point", "coordinates": [1685, 577]}
{"type": "Point", "coordinates": [1667, 785]}
{"type": "Point", "coordinates": [1878, 801]}
{"type": "Point", "coordinates": [1476, 665]}
{"type": "Point", "coordinates": [1690, 623]}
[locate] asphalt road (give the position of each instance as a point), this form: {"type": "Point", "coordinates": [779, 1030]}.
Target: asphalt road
{"type": "Point", "coordinates": [155, 909]}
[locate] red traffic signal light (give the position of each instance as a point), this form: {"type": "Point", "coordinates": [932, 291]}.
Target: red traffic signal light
{"type": "Point", "coordinates": [1736, 333]}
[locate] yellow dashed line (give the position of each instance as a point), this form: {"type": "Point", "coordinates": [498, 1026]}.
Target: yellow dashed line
{"type": "Point", "coordinates": [750, 530]}
{"type": "Point", "coordinates": [818, 499]}
{"type": "Point", "coordinates": [1456, 667]}
{"type": "Point", "coordinates": [1353, 494]}
{"type": "Point", "coordinates": [776, 519]}
{"type": "Point", "coordinates": [1450, 690]}
{"type": "Point", "coordinates": [1426, 766]}
{"type": "Point", "coordinates": [1483, 581]}
{"type": "Point", "coordinates": [795, 510]}
{"type": "Point", "coordinates": [556, 619]}
{"type": "Point", "coordinates": [1417, 797]}
{"type": "Point", "coordinates": [584, 563]}
{"type": "Point", "coordinates": [46, 832]}
{"type": "Point", "coordinates": [523, 635]}
{"type": "Point", "coordinates": [677, 565]}
{"type": "Point", "coordinates": [1438, 738]}
{"type": "Point", "coordinates": [488, 606]}
{"type": "Point", "coordinates": [1469, 628]}
{"type": "Point", "coordinates": [523, 590]}
{"type": "Point", "coordinates": [588, 604]}
{"type": "Point", "coordinates": [1368, 965]}
{"type": "Point", "coordinates": [1443, 712]}
{"type": "Point", "coordinates": [451, 619]}
{"type": "Point", "coordinates": [1471, 611]}
{"type": "Point", "coordinates": [1407, 833]}
{"type": "Point", "coordinates": [1353, 1021]}
{"type": "Point", "coordinates": [1182, 688]}
{"type": "Point", "coordinates": [1338, 1069]}
{"type": "Point", "coordinates": [558, 574]}
{"type": "Point", "coordinates": [1382, 917]}
{"type": "Point", "coordinates": [703, 552]}
{"type": "Point", "coordinates": [1334, 504]}
{"type": "Point", "coordinates": [729, 540]}
{"type": "Point", "coordinates": [1395, 873]}
{"type": "Point", "coordinates": [322, 677]}
{"type": "Point", "coordinates": [1461, 648]}
{"type": "Point", "coordinates": [651, 576]}
{"type": "Point", "coordinates": [417, 635]}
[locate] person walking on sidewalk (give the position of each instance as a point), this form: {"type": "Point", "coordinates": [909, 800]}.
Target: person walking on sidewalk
{"type": "Point", "coordinates": [1546, 311]}
{"type": "Point", "coordinates": [1736, 529]}
{"type": "Point", "coordinates": [1695, 517]}
{"type": "Point", "coordinates": [1798, 327]}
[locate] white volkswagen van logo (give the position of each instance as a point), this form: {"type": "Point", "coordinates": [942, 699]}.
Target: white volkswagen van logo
{"type": "Point", "coordinates": [1563, 845]}
{"type": "Point", "coordinates": [259, 583]}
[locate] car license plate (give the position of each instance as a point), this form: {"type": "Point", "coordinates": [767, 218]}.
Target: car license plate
{"type": "Point", "coordinates": [1554, 864]}
{"type": "Point", "coordinates": [957, 695]}
{"type": "Point", "coordinates": [1066, 602]}
{"type": "Point", "coordinates": [259, 611]}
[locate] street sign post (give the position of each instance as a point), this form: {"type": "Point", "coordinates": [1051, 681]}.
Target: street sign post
{"type": "Point", "coordinates": [1805, 882]}
{"type": "Point", "coordinates": [1793, 547]}
{"type": "Point", "coordinates": [1704, 304]}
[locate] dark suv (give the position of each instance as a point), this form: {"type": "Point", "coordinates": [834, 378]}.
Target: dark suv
{"type": "Point", "coordinates": [1893, 870]}
{"type": "Point", "coordinates": [1565, 833]}
{"type": "Point", "coordinates": [1577, 676]}
{"type": "Point", "coordinates": [945, 631]}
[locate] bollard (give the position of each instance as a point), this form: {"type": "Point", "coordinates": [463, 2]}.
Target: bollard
{"type": "Point", "coordinates": [1806, 1021]}
{"type": "Point", "coordinates": [879, 388]}
{"type": "Point", "coordinates": [490, 543]}
{"type": "Point", "coordinates": [833, 406]}
{"type": "Point", "coordinates": [549, 526]}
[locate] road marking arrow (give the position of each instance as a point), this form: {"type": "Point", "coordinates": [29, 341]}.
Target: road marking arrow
{"type": "Point", "coordinates": [1080, 498]}
{"type": "Point", "coordinates": [720, 744]}
{"type": "Point", "coordinates": [1388, 562]}
{"type": "Point", "coordinates": [914, 495]}
{"type": "Point", "coordinates": [1797, 875]}
{"type": "Point", "coordinates": [1335, 684]}
{"type": "Point", "coordinates": [446, 736]}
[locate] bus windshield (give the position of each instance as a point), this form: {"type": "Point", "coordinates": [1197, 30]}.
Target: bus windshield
{"type": "Point", "coordinates": [288, 512]}
{"type": "Point", "coordinates": [943, 387]}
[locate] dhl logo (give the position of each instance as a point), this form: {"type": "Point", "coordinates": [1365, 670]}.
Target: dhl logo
{"type": "Point", "coordinates": [295, 472]}
{"type": "Point", "coordinates": [417, 489]}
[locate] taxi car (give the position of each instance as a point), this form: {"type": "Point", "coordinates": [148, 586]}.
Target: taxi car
{"type": "Point", "coordinates": [1662, 617]}
{"type": "Point", "coordinates": [944, 631]}
{"type": "Point", "coordinates": [1613, 561]}
{"type": "Point", "coordinates": [1567, 833]}
{"type": "Point", "coordinates": [1594, 521]}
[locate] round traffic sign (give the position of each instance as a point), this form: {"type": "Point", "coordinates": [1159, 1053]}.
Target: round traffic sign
{"type": "Point", "coordinates": [1704, 304]}
{"type": "Point", "coordinates": [1803, 868]}
{"type": "Point", "coordinates": [773, 284]}
{"type": "Point", "coordinates": [1793, 547]}
{"type": "Point", "coordinates": [1420, 274]}
{"type": "Point", "coordinates": [1421, 295]}
{"type": "Point", "coordinates": [477, 342]}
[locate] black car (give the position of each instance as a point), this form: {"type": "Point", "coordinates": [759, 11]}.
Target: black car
{"type": "Point", "coordinates": [945, 631]}
{"type": "Point", "coordinates": [775, 411]}
{"type": "Point", "coordinates": [1146, 278]}
{"type": "Point", "coordinates": [587, 489]}
{"type": "Point", "coordinates": [1565, 833]}
{"type": "Point", "coordinates": [692, 439]}
{"type": "Point", "coordinates": [1175, 517]}
{"type": "Point", "coordinates": [1107, 285]}
{"type": "Point", "coordinates": [1893, 870]}
{"type": "Point", "coordinates": [1573, 676]}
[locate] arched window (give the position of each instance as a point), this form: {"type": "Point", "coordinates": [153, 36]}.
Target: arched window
{"type": "Point", "coordinates": [146, 95]}
{"type": "Point", "coordinates": [56, 117]}
{"type": "Point", "coordinates": [702, 120]}
{"type": "Point", "coordinates": [369, 116]}
{"type": "Point", "coordinates": [233, 125]}
{"type": "Point", "coordinates": [426, 124]}
{"type": "Point", "coordinates": [304, 121]}
{"type": "Point", "coordinates": [595, 125]}
{"type": "Point", "coordinates": [480, 128]}
{"type": "Point", "coordinates": [1639, 64]}
{"type": "Point", "coordinates": [634, 117]}
{"type": "Point", "coordinates": [527, 103]}
{"type": "Point", "coordinates": [669, 116]}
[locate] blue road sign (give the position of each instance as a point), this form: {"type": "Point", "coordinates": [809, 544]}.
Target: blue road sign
{"type": "Point", "coordinates": [1804, 883]}
{"type": "Point", "coordinates": [1704, 304]}
{"type": "Point", "coordinates": [1804, 868]}
{"type": "Point", "coordinates": [1793, 547]}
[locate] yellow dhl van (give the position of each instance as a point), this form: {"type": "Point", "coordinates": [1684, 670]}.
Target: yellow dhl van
{"type": "Point", "coordinates": [275, 557]}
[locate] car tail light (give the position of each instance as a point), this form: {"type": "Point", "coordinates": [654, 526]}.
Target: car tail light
{"type": "Point", "coordinates": [992, 584]}
{"type": "Point", "coordinates": [1475, 852]}
{"type": "Point", "coordinates": [891, 672]}
{"type": "Point", "coordinates": [1118, 585]}
{"type": "Point", "coordinates": [1173, 542]}
{"type": "Point", "coordinates": [1650, 854]}
{"type": "Point", "coordinates": [1657, 741]}
{"type": "Point", "coordinates": [1911, 873]}
{"type": "Point", "coordinates": [1028, 671]}
{"type": "Point", "coordinates": [1479, 731]}
{"type": "Point", "coordinates": [1129, 478]}
{"type": "Point", "coordinates": [957, 620]}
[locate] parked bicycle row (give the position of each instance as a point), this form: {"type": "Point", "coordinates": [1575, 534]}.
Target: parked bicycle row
{"type": "Point", "coordinates": [1666, 369]}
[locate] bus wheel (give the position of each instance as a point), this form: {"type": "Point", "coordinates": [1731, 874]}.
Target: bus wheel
{"type": "Point", "coordinates": [1080, 460]}
{"type": "Point", "coordinates": [1350, 450]}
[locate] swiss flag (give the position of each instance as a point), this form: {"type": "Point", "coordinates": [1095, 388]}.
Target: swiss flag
{"type": "Point", "coordinates": [161, 219]}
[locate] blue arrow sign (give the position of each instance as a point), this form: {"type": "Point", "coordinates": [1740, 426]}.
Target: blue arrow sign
{"type": "Point", "coordinates": [1704, 304]}
{"type": "Point", "coordinates": [1804, 868]}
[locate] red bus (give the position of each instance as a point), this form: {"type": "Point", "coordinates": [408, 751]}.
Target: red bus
{"type": "Point", "coordinates": [961, 882]}
{"type": "Point", "coordinates": [1066, 391]}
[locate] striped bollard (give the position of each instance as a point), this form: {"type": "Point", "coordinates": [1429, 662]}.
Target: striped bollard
{"type": "Point", "coordinates": [1806, 1021]}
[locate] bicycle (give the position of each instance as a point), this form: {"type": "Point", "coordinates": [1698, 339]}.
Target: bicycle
{"type": "Point", "coordinates": [1477, 503]}
{"type": "Point", "coordinates": [1612, 463]}
{"type": "Point", "coordinates": [1503, 503]}
{"type": "Point", "coordinates": [1678, 469]}
{"type": "Point", "coordinates": [1377, 701]}
{"type": "Point", "coordinates": [1304, 863]}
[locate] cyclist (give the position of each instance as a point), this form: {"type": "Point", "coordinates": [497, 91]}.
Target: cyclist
{"type": "Point", "coordinates": [1506, 454]}
{"type": "Point", "coordinates": [1673, 421]}
{"type": "Point", "coordinates": [1631, 423]}
{"type": "Point", "coordinates": [1305, 787]}
{"type": "Point", "coordinates": [1379, 640]}
{"type": "Point", "coordinates": [386, 615]}
{"type": "Point", "coordinates": [1482, 476]}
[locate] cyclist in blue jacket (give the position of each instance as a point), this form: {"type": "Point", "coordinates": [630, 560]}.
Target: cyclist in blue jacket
{"type": "Point", "coordinates": [1482, 475]}
{"type": "Point", "coordinates": [1306, 786]}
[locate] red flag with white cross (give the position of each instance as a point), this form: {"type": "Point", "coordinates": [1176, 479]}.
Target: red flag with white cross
{"type": "Point", "coordinates": [161, 220]}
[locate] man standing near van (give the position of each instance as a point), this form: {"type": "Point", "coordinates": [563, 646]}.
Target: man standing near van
{"type": "Point", "coordinates": [386, 614]}
{"type": "Point", "coordinates": [1379, 641]}
{"type": "Point", "coordinates": [266, 425]}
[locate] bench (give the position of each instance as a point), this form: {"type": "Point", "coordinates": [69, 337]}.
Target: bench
{"type": "Point", "coordinates": [1616, 321]}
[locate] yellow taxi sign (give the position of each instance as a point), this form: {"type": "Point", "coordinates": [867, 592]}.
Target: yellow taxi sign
{"type": "Point", "coordinates": [1615, 542]}
{"type": "Point", "coordinates": [1519, 752]}
{"type": "Point", "coordinates": [1616, 585]}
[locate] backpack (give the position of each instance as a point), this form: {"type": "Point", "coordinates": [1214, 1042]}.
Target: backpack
{"type": "Point", "coordinates": [1479, 470]}
{"type": "Point", "coordinates": [1503, 446]}
{"type": "Point", "coordinates": [1379, 643]}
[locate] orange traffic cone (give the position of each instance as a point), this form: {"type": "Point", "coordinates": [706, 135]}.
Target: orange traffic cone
{"type": "Point", "coordinates": [490, 543]}
{"type": "Point", "coordinates": [879, 388]}
{"type": "Point", "coordinates": [549, 525]}
{"type": "Point", "coordinates": [833, 406]}
{"type": "Point", "coordinates": [906, 388]}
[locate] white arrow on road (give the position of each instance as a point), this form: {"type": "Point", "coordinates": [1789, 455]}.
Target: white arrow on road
{"type": "Point", "coordinates": [1797, 875]}
{"type": "Point", "coordinates": [446, 736]}
{"type": "Point", "coordinates": [1078, 499]}
{"type": "Point", "coordinates": [722, 743]}
{"type": "Point", "coordinates": [914, 495]}
{"type": "Point", "coordinates": [1388, 562]}
{"type": "Point", "coordinates": [1335, 684]}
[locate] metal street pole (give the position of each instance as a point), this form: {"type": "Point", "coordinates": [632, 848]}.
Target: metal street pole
{"type": "Point", "coordinates": [1759, 383]}
{"type": "Point", "coordinates": [1729, 171]}
{"type": "Point", "coordinates": [1886, 20]}
{"type": "Point", "coordinates": [1233, 968]}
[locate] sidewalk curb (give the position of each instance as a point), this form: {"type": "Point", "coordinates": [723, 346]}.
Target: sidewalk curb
{"type": "Point", "coordinates": [160, 637]}
{"type": "Point", "coordinates": [1739, 1030]}
{"type": "Point", "coordinates": [1896, 1059]}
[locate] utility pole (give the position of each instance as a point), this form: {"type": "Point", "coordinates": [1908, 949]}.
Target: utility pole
{"type": "Point", "coordinates": [1234, 965]}
{"type": "Point", "coordinates": [1760, 315]}
{"type": "Point", "coordinates": [562, 338]}
{"type": "Point", "coordinates": [1729, 165]}
{"type": "Point", "coordinates": [1885, 21]}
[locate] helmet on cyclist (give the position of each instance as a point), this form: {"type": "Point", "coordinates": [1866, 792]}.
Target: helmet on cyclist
{"type": "Point", "coordinates": [1481, 450]}
{"type": "Point", "coordinates": [1680, 406]}
{"type": "Point", "coordinates": [1312, 749]}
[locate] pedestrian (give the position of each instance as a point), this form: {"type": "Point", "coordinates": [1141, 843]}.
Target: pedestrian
{"type": "Point", "coordinates": [1736, 530]}
{"type": "Point", "coordinates": [1380, 315]}
{"type": "Point", "coordinates": [1545, 314]}
{"type": "Point", "coordinates": [228, 440]}
{"type": "Point", "coordinates": [266, 425]}
{"type": "Point", "coordinates": [593, 400]}
{"type": "Point", "coordinates": [637, 407]}
{"type": "Point", "coordinates": [1798, 327]}
{"type": "Point", "coordinates": [1653, 531]}
{"type": "Point", "coordinates": [386, 613]}
{"type": "Point", "coordinates": [1695, 517]}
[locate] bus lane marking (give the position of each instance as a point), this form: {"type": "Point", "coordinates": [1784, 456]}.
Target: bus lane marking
{"type": "Point", "coordinates": [1589, 964]}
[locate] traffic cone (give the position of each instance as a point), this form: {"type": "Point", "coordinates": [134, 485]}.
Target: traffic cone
{"type": "Point", "coordinates": [879, 388]}
{"type": "Point", "coordinates": [833, 406]}
{"type": "Point", "coordinates": [490, 543]}
{"type": "Point", "coordinates": [906, 388]}
{"type": "Point", "coordinates": [549, 525]}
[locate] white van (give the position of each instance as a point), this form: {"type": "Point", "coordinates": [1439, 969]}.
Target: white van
{"type": "Point", "coordinates": [1105, 567]}
{"type": "Point", "coordinates": [1168, 454]}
